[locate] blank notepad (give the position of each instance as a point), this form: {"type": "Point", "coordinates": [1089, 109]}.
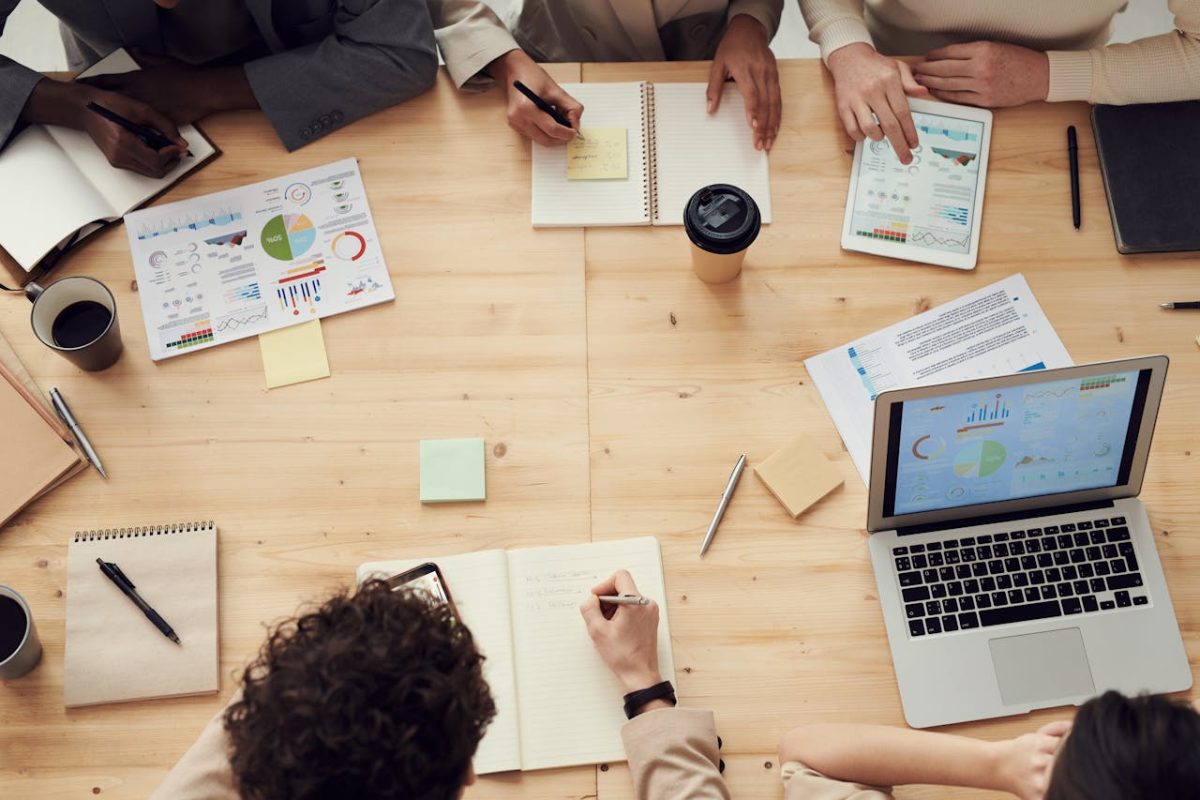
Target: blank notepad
{"type": "Point", "coordinates": [674, 148]}
{"type": "Point", "coordinates": [114, 653]}
{"type": "Point", "coordinates": [557, 703]}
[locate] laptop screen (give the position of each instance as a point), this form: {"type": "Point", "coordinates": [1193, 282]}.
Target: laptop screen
{"type": "Point", "coordinates": [1010, 443]}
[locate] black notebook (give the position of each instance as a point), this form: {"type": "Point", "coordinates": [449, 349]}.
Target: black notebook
{"type": "Point", "coordinates": [1150, 166]}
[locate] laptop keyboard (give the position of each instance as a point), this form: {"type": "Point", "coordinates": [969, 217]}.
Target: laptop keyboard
{"type": "Point", "coordinates": [1054, 571]}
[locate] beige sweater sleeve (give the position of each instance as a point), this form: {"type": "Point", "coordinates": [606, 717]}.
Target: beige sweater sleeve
{"type": "Point", "coordinates": [1157, 69]}
{"type": "Point", "coordinates": [833, 24]}
{"type": "Point", "coordinates": [673, 754]}
{"type": "Point", "coordinates": [804, 783]}
{"type": "Point", "coordinates": [203, 773]}
{"type": "Point", "coordinates": [470, 36]}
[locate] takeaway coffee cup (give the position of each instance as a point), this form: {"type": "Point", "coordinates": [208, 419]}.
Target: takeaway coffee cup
{"type": "Point", "coordinates": [722, 221]}
{"type": "Point", "coordinates": [77, 316]}
{"type": "Point", "coordinates": [20, 648]}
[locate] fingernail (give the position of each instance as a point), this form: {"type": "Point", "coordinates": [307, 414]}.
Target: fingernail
{"type": "Point", "coordinates": [710, 106]}
{"type": "Point", "coordinates": [754, 123]}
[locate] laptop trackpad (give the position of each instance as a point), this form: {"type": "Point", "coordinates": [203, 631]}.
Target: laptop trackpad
{"type": "Point", "coordinates": [1037, 667]}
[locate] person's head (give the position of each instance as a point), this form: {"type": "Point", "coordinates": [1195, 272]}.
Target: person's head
{"type": "Point", "coordinates": [374, 695]}
{"type": "Point", "coordinates": [1129, 748]}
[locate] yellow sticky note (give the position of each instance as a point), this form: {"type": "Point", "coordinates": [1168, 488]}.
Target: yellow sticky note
{"type": "Point", "coordinates": [799, 475]}
{"type": "Point", "coordinates": [601, 154]}
{"type": "Point", "coordinates": [294, 354]}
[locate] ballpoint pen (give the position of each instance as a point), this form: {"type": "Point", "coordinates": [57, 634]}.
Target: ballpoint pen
{"type": "Point", "coordinates": [64, 412]}
{"type": "Point", "coordinates": [1190, 304]}
{"type": "Point", "coordinates": [147, 135]}
{"type": "Point", "coordinates": [114, 574]}
{"type": "Point", "coordinates": [542, 105]}
{"type": "Point", "coordinates": [728, 493]}
{"type": "Point", "coordinates": [1073, 162]}
{"type": "Point", "coordinates": [625, 599]}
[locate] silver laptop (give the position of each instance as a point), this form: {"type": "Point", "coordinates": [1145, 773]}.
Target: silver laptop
{"type": "Point", "coordinates": [1016, 565]}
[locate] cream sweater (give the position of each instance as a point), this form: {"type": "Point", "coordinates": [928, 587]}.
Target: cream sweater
{"type": "Point", "coordinates": [1073, 32]}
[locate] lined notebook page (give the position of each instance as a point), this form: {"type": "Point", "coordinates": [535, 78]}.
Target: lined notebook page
{"type": "Point", "coordinates": [696, 149]}
{"type": "Point", "coordinates": [478, 584]}
{"type": "Point", "coordinates": [113, 652]}
{"type": "Point", "coordinates": [571, 710]}
{"type": "Point", "coordinates": [560, 202]}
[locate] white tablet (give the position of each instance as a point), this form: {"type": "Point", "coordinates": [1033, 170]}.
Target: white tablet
{"type": "Point", "coordinates": [929, 210]}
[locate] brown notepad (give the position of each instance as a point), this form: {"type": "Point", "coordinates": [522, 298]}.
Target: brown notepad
{"type": "Point", "coordinates": [799, 475]}
{"type": "Point", "coordinates": [114, 653]}
{"type": "Point", "coordinates": [36, 455]}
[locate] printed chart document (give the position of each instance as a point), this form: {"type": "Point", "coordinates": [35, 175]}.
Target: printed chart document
{"type": "Point", "coordinates": [557, 704]}
{"type": "Point", "coordinates": [997, 330]}
{"type": "Point", "coordinates": [245, 261]}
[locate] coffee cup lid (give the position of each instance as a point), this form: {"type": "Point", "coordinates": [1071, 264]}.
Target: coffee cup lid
{"type": "Point", "coordinates": [721, 219]}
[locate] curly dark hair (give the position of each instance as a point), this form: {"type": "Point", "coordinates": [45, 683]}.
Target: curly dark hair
{"type": "Point", "coordinates": [1129, 748]}
{"type": "Point", "coordinates": [378, 694]}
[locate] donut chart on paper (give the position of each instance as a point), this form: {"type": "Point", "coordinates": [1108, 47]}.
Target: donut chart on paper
{"type": "Point", "coordinates": [288, 236]}
{"type": "Point", "coordinates": [349, 245]}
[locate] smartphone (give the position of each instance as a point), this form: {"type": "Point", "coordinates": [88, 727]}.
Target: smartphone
{"type": "Point", "coordinates": [425, 578]}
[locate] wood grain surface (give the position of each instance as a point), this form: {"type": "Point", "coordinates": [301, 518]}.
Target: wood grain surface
{"type": "Point", "coordinates": [614, 392]}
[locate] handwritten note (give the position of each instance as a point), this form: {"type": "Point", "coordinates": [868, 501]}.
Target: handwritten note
{"type": "Point", "coordinates": [599, 154]}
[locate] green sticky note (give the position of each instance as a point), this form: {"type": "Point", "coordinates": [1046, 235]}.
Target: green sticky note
{"type": "Point", "coordinates": [452, 470]}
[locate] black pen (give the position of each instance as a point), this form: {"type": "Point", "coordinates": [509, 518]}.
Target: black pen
{"type": "Point", "coordinates": [148, 136]}
{"type": "Point", "coordinates": [1073, 156]}
{"type": "Point", "coordinates": [114, 574]}
{"type": "Point", "coordinates": [554, 113]}
{"type": "Point", "coordinates": [1194, 304]}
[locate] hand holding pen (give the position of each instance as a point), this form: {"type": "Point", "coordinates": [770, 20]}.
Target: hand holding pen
{"type": "Point", "coordinates": [525, 116]}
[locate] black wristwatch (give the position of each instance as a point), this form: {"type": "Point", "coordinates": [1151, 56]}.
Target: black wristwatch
{"type": "Point", "coordinates": [659, 691]}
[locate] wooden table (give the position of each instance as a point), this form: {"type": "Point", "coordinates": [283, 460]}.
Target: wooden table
{"type": "Point", "coordinates": [614, 391]}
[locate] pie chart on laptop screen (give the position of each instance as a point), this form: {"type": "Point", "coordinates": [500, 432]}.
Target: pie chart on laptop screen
{"type": "Point", "coordinates": [288, 236]}
{"type": "Point", "coordinates": [979, 459]}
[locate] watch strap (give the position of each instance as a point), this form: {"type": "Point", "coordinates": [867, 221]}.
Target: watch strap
{"type": "Point", "coordinates": [659, 691]}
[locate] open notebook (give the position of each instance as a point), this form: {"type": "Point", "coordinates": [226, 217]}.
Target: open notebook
{"type": "Point", "coordinates": [114, 653]}
{"type": "Point", "coordinates": [674, 148]}
{"type": "Point", "coordinates": [557, 704]}
{"type": "Point", "coordinates": [57, 182]}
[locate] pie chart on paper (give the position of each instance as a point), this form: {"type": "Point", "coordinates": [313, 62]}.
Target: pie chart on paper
{"type": "Point", "coordinates": [288, 236]}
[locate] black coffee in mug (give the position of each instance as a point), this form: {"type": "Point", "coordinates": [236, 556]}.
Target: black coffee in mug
{"type": "Point", "coordinates": [13, 624]}
{"type": "Point", "coordinates": [80, 323]}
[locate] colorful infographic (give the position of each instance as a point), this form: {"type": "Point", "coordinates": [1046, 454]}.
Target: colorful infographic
{"type": "Point", "coordinates": [250, 260]}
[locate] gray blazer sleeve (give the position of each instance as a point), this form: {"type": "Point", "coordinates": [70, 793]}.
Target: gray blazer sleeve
{"type": "Point", "coordinates": [381, 53]}
{"type": "Point", "coordinates": [16, 83]}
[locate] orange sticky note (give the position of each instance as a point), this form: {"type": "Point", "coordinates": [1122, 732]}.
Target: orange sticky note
{"type": "Point", "coordinates": [799, 475]}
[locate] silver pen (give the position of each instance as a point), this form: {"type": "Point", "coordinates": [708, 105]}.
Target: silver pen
{"type": "Point", "coordinates": [625, 599]}
{"type": "Point", "coordinates": [728, 493]}
{"type": "Point", "coordinates": [60, 405]}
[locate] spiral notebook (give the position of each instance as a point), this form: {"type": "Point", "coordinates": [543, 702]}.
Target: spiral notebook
{"type": "Point", "coordinates": [674, 148]}
{"type": "Point", "coordinates": [114, 653]}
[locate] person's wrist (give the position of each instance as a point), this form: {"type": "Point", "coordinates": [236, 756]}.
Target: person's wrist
{"type": "Point", "coordinates": [848, 53]}
{"type": "Point", "coordinates": [994, 764]}
{"type": "Point", "coordinates": [57, 103]}
{"type": "Point", "coordinates": [502, 67]}
{"type": "Point", "coordinates": [747, 24]}
{"type": "Point", "coordinates": [636, 680]}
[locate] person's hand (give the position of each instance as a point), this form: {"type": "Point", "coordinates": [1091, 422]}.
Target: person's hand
{"type": "Point", "coordinates": [1024, 764]}
{"type": "Point", "coordinates": [872, 97]}
{"type": "Point", "coordinates": [626, 637]}
{"type": "Point", "coordinates": [181, 92]}
{"type": "Point", "coordinates": [988, 74]}
{"type": "Point", "coordinates": [744, 56]}
{"type": "Point", "coordinates": [523, 116]}
{"type": "Point", "coordinates": [123, 149]}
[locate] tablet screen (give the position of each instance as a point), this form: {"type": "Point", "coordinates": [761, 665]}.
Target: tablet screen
{"type": "Point", "coordinates": [929, 203]}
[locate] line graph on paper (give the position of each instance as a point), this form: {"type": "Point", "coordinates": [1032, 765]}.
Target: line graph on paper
{"type": "Point", "coordinates": [242, 319]}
